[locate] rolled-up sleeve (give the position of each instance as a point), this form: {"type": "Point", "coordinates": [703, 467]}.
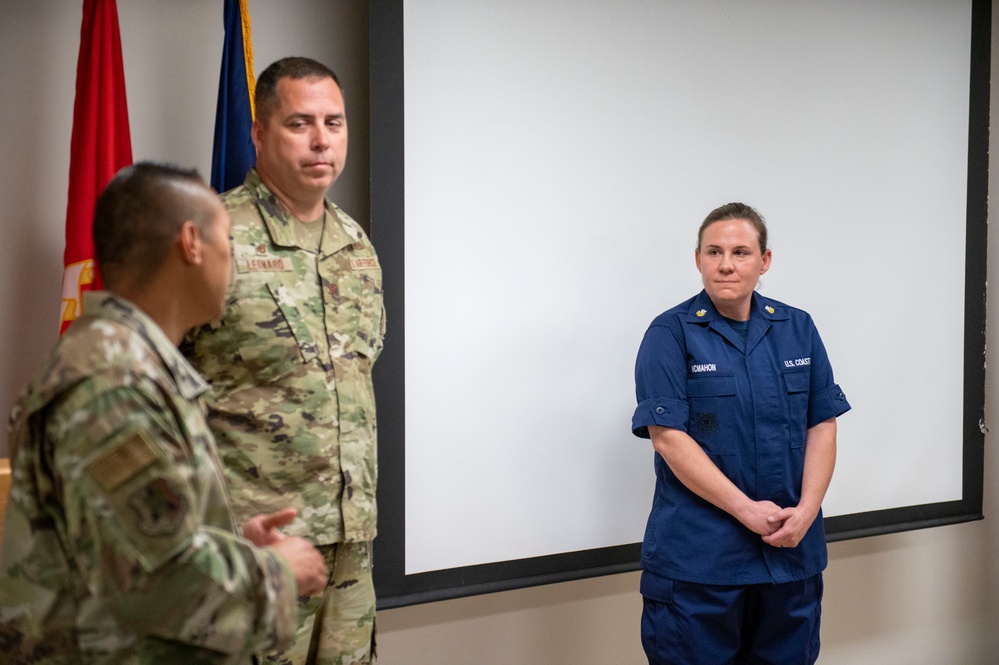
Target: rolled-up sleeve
{"type": "Point", "coordinates": [826, 400]}
{"type": "Point", "coordinates": [660, 383]}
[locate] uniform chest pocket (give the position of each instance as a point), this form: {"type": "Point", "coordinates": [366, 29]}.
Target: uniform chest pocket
{"type": "Point", "coordinates": [798, 383]}
{"type": "Point", "coordinates": [712, 385]}
{"type": "Point", "coordinates": [269, 332]}
{"type": "Point", "coordinates": [710, 397]}
{"type": "Point", "coordinates": [357, 309]}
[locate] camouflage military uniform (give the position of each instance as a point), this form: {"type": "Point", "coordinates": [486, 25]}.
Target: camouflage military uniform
{"type": "Point", "coordinates": [119, 545]}
{"type": "Point", "coordinates": [291, 404]}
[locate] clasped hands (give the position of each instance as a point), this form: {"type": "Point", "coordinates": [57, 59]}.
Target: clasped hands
{"type": "Point", "coordinates": [779, 527]}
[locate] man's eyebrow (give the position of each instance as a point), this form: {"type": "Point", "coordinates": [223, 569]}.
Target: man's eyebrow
{"type": "Point", "coordinates": [310, 116]}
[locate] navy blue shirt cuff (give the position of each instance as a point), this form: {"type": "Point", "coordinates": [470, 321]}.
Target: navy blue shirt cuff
{"type": "Point", "coordinates": [827, 403]}
{"type": "Point", "coordinates": [663, 412]}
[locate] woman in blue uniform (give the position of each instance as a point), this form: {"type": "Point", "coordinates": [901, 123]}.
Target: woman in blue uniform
{"type": "Point", "coordinates": [737, 394]}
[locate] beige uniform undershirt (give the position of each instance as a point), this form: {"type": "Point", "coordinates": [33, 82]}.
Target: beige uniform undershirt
{"type": "Point", "coordinates": [310, 234]}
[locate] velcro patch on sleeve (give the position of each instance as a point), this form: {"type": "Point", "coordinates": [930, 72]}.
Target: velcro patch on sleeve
{"type": "Point", "coordinates": [364, 263]}
{"type": "Point", "coordinates": [122, 462]}
{"type": "Point", "coordinates": [160, 508]}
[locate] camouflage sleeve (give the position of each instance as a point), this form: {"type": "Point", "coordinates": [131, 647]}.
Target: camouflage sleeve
{"type": "Point", "coordinates": [149, 529]}
{"type": "Point", "coordinates": [382, 327]}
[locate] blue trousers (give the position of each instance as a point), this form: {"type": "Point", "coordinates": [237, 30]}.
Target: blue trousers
{"type": "Point", "coordinates": [684, 623]}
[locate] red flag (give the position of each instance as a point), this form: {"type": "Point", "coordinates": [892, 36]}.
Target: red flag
{"type": "Point", "coordinates": [100, 146]}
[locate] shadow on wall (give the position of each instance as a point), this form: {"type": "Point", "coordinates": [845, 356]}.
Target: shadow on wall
{"type": "Point", "coordinates": [33, 282]}
{"type": "Point", "coordinates": [922, 589]}
{"type": "Point", "coordinates": [37, 108]}
{"type": "Point", "coordinates": [540, 598]}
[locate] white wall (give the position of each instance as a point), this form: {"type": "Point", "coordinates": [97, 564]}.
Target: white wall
{"type": "Point", "coordinates": [920, 598]}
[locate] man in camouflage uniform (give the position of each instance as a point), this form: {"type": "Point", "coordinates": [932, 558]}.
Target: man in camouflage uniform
{"type": "Point", "coordinates": [119, 544]}
{"type": "Point", "coordinates": [291, 403]}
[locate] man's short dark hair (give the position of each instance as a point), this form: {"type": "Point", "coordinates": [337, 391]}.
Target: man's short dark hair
{"type": "Point", "coordinates": [140, 213]}
{"type": "Point", "coordinates": [266, 96]}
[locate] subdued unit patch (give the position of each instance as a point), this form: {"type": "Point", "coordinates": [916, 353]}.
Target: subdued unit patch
{"type": "Point", "coordinates": [160, 508]}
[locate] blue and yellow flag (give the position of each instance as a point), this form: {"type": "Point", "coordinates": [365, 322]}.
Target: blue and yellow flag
{"type": "Point", "coordinates": [232, 153]}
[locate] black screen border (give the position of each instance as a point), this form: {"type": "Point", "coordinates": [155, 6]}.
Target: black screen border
{"type": "Point", "coordinates": [397, 589]}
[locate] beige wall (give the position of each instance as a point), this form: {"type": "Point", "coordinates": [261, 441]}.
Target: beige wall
{"type": "Point", "coordinates": [920, 598]}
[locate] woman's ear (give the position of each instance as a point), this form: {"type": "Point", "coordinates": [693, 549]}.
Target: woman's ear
{"type": "Point", "coordinates": [767, 256]}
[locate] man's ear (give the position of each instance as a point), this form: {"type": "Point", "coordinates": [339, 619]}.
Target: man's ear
{"type": "Point", "coordinates": [189, 239]}
{"type": "Point", "coordinates": [256, 134]}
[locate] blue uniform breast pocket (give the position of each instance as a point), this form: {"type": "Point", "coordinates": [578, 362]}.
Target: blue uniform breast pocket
{"type": "Point", "coordinates": [711, 397]}
{"type": "Point", "coordinates": [798, 381]}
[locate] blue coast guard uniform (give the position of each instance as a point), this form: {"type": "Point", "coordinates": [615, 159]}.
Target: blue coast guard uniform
{"type": "Point", "coordinates": [748, 399]}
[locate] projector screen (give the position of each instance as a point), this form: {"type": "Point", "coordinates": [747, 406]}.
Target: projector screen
{"type": "Point", "coordinates": [539, 171]}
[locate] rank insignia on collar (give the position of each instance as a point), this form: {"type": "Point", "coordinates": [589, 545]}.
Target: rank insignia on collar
{"type": "Point", "coordinates": [770, 310]}
{"type": "Point", "coordinates": [701, 312]}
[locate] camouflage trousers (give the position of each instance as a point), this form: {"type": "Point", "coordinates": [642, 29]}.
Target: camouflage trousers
{"type": "Point", "coordinates": [338, 626]}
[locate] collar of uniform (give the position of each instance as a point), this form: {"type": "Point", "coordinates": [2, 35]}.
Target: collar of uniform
{"type": "Point", "coordinates": [278, 220]}
{"type": "Point", "coordinates": [105, 304]}
{"type": "Point", "coordinates": [769, 310]}
{"type": "Point", "coordinates": [702, 310]}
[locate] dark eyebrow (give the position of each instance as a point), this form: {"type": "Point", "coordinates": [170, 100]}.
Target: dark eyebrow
{"type": "Point", "coordinates": [310, 117]}
{"type": "Point", "coordinates": [734, 248]}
